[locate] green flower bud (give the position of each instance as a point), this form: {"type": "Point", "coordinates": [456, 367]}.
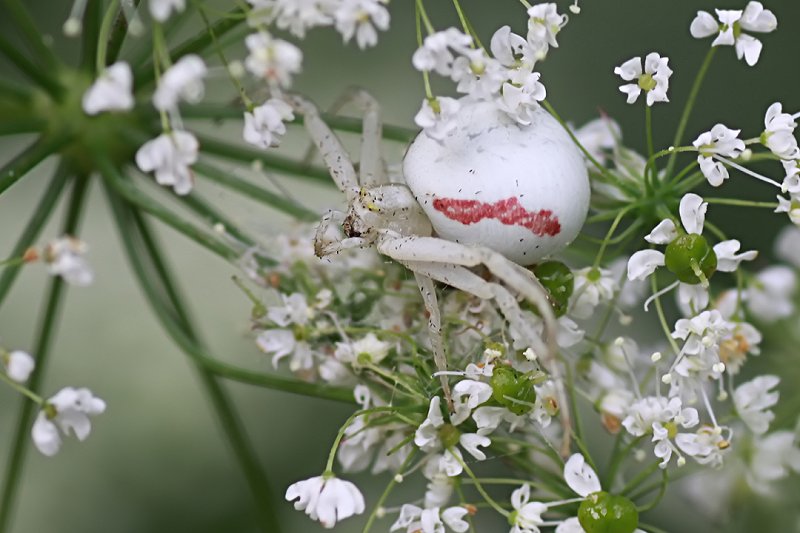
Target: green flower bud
{"type": "Point", "coordinates": [513, 390]}
{"type": "Point", "coordinates": [559, 281]}
{"type": "Point", "coordinates": [689, 255]}
{"type": "Point", "coordinates": [602, 512]}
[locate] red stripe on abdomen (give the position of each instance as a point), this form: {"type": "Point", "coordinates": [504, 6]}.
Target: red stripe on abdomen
{"type": "Point", "coordinates": [508, 212]}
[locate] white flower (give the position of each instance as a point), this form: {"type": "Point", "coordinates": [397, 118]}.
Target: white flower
{"type": "Point", "coordinates": [438, 118]}
{"type": "Point", "coordinates": [264, 126]}
{"type": "Point", "coordinates": [753, 400]}
{"type": "Point", "coordinates": [544, 23]}
{"type": "Point", "coordinates": [580, 477]}
{"type": "Point", "coordinates": [295, 15]}
{"type": "Point", "coordinates": [791, 207]}
{"type": "Point", "coordinates": [591, 286]}
{"type": "Point", "coordinates": [65, 258]}
{"type": "Point", "coordinates": [417, 520]}
{"type": "Point", "coordinates": [721, 141]}
{"type": "Point", "coordinates": [169, 156]}
{"type": "Point", "coordinates": [773, 458]}
{"type": "Point", "coordinates": [791, 182]}
{"type": "Point", "coordinates": [521, 98]}
{"type": "Point", "coordinates": [161, 9]}
{"type": "Point", "coordinates": [787, 245]}
{"type": "Point", "coordinates": [468, 394]}
{"type": "Point", "coordinates": [327, 499]}
{"type": "Point", "coordinates": [275, 60]}
{"type": "Point", "coordinates": [181, 81]}
{"type": "Point", "coordinates": [360, 18]}
{"type": "Point", "coordinates": [707, 446]}
{"type": "Point", "coordinates": [769, 294]}
{"type": "Point", "coordinates": [512, 50]}
{"type": "Point", "coordinates": [66, 412]}
{"type": "Point", "coordinates": [654, 80]}
{"type": "Point", "coordinates": [778, 133]}
{"type": "Point", "coordinates": [368, 349]}
{"type": "Point", "coordinates": [478, 75]}
{"type": "Point", "coordinates": [527, 515]}
{"type": "Point", "coordinates": [111, 91]}
{"type": "Point", "coordinates": [18, 365]}
{"type": "Point", "coordinates": [731, 23]}
{"type": "Point", "coordinates": [435, 53]}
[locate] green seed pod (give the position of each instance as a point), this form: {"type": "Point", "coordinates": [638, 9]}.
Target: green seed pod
{"type": "Point", "coordinates": [602, 512]}
{"type": "Point", "coordinates": [559, 281]}
{"type": "Point", "coordinates": [513, 390]}
{"type": "Point", "coordinates": [687, 253]}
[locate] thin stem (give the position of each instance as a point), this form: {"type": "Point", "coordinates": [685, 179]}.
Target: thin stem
{"type": "Point", "coordinates": [36, 74]}
{"type": "Point", "coordinates": [23, 162]}
{"type": "Point", "coordinates": [661, 318]}
{"type": "Point", "coordinates": [195, 203]}
{"type": "Point", "coordinates": [640, 477]}
{"type": "Point", "coordinates": [132, 227]}
{"type": "Point", "coordinates": [741, 203]}
{"type": "Point", "coordinates": [424, 16]}
{"type": "Point", "coordinates": [609, 234]}
{"type": "Point", "coordinates": [125, 188]}
{"type": "Point", "coordinates": [41, 213]}
{"type": "Point", "coordinates": [687, 110]}
{"type": "Point", "coordinates": [103, 37]}
{"type": "Point", "coordinates": [496, 506]}
{"type": "Point", "coordinates": [20, 388]}
{"type": "Point", "coordinates": [118, 34]}
{"type": "Point", "coordinates": [92, 19]}
{"type": "Point", "coordinates": [343, 429]}
{"type": "Point", "coordinates": [44, 338]}
{"type": "Point", "coordinates": [273, 162]}
{"type": "Point", "coordinates": [648, 121]}
{"type": "Point", "coordinates": [248, 189]}
{"type": "Point", "coordinates": [25, 23]}
{"type": "Point", "coordinates": [388, 490]}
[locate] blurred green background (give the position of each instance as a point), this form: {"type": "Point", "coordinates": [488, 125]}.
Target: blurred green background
{"type": "Point", "coordinates": [156, 461]}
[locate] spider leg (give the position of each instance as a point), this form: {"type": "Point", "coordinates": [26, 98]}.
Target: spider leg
{"type": "Point", "coordinates": [428, 291]}
{"type": "Point", "coordinates": [432, 249]}
{"type": "Point", "coordinates": [330, 147]}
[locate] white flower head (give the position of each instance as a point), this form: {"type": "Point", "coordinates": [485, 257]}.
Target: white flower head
{"type": "Point", "coordinates": [326, 499]}
{"type": "Point", "coordinates": [527, 515]}
{"type": "Point", "coordinates": [436, 52]}
{"type": "Point", "coordinates": [753, 400]}
{"type": "Point", "coordinates": [730, 29]}
{"type": "Point", "coordinates": [591, 287]}
{"type": "Point", "coordinates": [581, 477]}
{"type": "Point", "coordinates": [65, 258]}
{"type": "Point", "coordinates": [787, 245]}
{"type": "Point", "coordinates": [437, 117]}
{"type": "Point", "coordinates": [778, 133]}
{"type": "Point", "coordinates": [723, 141]}
{"type": "Point", "coordinates": [18, 365]}
{"type": "Point", "coordinates": [654, 80]}
{"type": "Point", "coordinates": [264, 126]}
{"type": "Point", "coordinates": [169, 156]}
{"type": "Point", "coordinates": [430, 520]}
{"type": "Point", "coordinates": [544, 23]}
{"type": "Point", "coordinates": [181, 81]}
{"type": "Point", "coordinates": [769, 294]}
{"type": "Point", "coordinates": [362, 19]}
{"type": "Point", "coordinates": [275, 60]}
{"type": "Point", "coordinates": [790, 206]}
{"type": "Point", "coordinates": [297, 16]}
{"type": "Point", "coordinates": [162, 9]}
{"type": "Point", "coordinates": [111, 91]}
{"type": "Point", "coordinates": [521, 98]}
{"type": "Point", "coordinates": [66, 412]}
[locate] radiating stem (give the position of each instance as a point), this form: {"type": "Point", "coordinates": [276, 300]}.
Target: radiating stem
{"type": "Point", "coordinates": [23, 162]}
{"type": "Point", "coordinates": [44, 338]}
{"type": "Point", "coordinates": [89, 35]}
{"type": "Point", "coordinates": [201, 207]}
{"type": "Point", "coordinates": [118, 34]}
{"type": "Point", "coordinates": [33, 34]}
{"type": "Point", "coordinates": [126, 189]}
{"type": "Point", "coordinates": [133, 228]}
{"type": "Point", "coordinates": [41, 213]}
{"type": "Point", "coordinates": [105, 33]}
{"type": "Point", "coordinates": [37, 75]}
{"type": "Point", "coordinates": [255, 192]}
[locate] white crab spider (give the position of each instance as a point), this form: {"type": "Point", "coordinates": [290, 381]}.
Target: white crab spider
{"type": "Point", "coordinates": [493, 191]}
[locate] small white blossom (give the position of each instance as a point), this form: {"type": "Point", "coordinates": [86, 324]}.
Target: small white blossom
{"type": "Point", "coordinates": [111, 91]}
{"type": "Point", "coordinates": [169, 156]}
{"type": "Point", "coordinates": [787, 245]}
{"type": "Point", "coordinates": [162, 9]}
{"type": "Point", "coordinates": [360, 18]}
{"type": "Point", "coordinates": [591, 287]}
{"type": "Point", "coordinates": [65, 258]}
{"type": "Point", "coordinates": [438, 117]}
{"type": "Point", "coordinates": [769, 294]}
{"type": "Point", "coordinates": [723, 141]}
{"type": "Point", "coordinates": [18, 365]}
{"type": "Point", "coordinates": [326, 499]}
{"type": "Point", "coordinates": [773, 457]}
{"type": "Point", "coordinates": [66, 412]}
{"type": "Point", "coordinates": [297, 16]}
{"type": "Point", "coordinates": [707, 445]}
{"type": "Point", "coordinates": [654, 80]}
{"type": "Point", "coordinates": [544, 24]}
{"type": "Point", "coordinates": [791, 207]}
{"type": "Point", "coordinates": [778, 133]}
{"type": "Point", "coordinates": [275, 60]}
{"type": "Point", "coordinates": [521, 98]}
{"type": "Point", "coordinates": [181, 81]}
{"type": "Point", "coordinates": [527, 515]}
{"type": "Point", "coordinates": [754, 18]}
{"type": "Point", "coordinates": [753, 400]}
{"type": "Point", "coordinates": [580, 477]}
{"type": "Point", "coordinates": [431, 520]}
{"type": "Point", "coordinates": [264, 126]}
{"type": "Point", "coordinates": [435, 53]}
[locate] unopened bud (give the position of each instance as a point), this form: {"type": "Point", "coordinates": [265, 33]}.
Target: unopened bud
{"type": "Point", "coordinates": [656, 357]}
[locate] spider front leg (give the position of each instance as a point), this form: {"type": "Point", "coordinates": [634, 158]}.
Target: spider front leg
{"type": "Point", "coordinates": [428, 291]}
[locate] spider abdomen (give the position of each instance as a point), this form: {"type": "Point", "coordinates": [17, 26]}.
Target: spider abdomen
{"type": "Point", "coordinates": [520, 190]}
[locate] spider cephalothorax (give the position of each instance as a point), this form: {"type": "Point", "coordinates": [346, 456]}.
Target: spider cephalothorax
{"type": "Point", "coordinates": [498, 194]}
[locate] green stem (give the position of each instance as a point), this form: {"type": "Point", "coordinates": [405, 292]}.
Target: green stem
{"type": "Point", "coordinates": [496, 506]}
{"type": "Point", "coordinates": [92, 18]}
{"type": "Point", "coordinates": [385, 495]}
{"type": "Point", "coordinates": [248, 189]}
{"type": "Point", "coordinates": [44, 338]}
{"type": "Point", "coordinates": [23, 162]}
{"type": "Point", "coordinates": [126, 189]}
{"type": "Point", "coordinates": [424, 16]}
{"type": "Point", "coordinates": [274, 162]}
{"type": "Point", "coordinates": [609, 234]}
{"type": "Point", "coordinates": [37, 75]}
{"type": "Point", "coordinates": [33, 35]}
{"type": "Point", "coordinates": [662, 490]}
{"type": "Point", "coordinates": [687, 110]}
{"type": "Point", "coordinates": [41, 213]}
{"type": "Point", "coordinates": [134, 229]}
{"type": "Point", "coordinates": [118, 34]}
{"type": "Point", "coordinates": [648, 126]}
{"type": "Point", "coordinates": [661, 317]}
{"type": "Point", "coordinates": [617, 456]}
{"type": "Point", "coordinates": [741, 203]}
{"type": "Point", "coordinates": [103, 38]}
{"type": "Point", "coordinates": [640, 477]}
{"type": "Point", "coordinates": [198, 205]}
{"type": "Point", "coordinates": [343, 428]}
{"type": "Point", "coordinates": [20, 388]}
